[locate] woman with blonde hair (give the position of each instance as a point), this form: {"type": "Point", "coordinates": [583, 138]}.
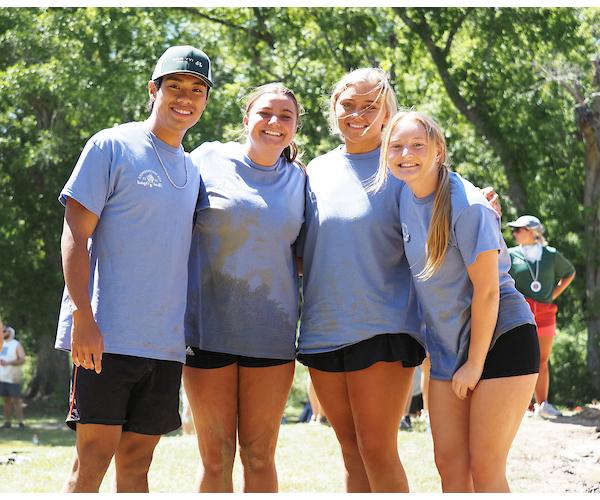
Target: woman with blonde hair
{"type": "Point", "coordinates": [480, 335]}
{"type": "Point", "coordinates": [541, 274]}
{"type": "Point", "coordinates": [242, 305]}
{"type": "Point", "coordinates": [359, 314]}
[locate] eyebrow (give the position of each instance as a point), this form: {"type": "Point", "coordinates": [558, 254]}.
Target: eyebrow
{"type": "Point", "coordinates": [177, 79]}
{"type": "Point", "coordinates": [414, 137]}
{"type": "Point", "coordinates": [269, 108]}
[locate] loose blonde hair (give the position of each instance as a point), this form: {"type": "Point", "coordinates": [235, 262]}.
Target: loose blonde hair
{"type": "Point", "coordinates": [292, 152]}
{"type": "Point", "coordinates": [439, 228]}
{"type": "Point", "coordinates": [378, 78]}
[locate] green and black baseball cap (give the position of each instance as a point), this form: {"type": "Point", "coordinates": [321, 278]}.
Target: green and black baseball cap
{"type": "Point", "coordinates": [184, 59]}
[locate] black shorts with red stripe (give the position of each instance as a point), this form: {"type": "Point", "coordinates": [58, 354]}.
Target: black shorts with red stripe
{"type": "Point", "coordinates": [139, 394]}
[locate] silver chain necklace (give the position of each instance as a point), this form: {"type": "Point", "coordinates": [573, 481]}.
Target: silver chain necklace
{"type": "Point", "coordinates": [164, 168]}
{"type": "Point", "coordinates": [535, 286]}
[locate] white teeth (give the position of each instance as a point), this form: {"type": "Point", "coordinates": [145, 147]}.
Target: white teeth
{"type": "Point", "coordinates": [182, 111]}
{"type": "Point", "coordinates": [274, 134]}
{"type": "Point", "coordinates": [408, 165]}
{"type": "Point", "coordinates": [352, 125]}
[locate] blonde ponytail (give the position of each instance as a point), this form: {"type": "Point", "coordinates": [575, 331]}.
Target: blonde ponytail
{"type": "Point", "coordinates": [439, 228]}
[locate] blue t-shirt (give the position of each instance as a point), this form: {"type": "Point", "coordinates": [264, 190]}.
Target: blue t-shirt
{"type": "Point", "coordinates": [140, 247]}
{"type": "Point", "coordinates": [243, 286]}
{"type": "Point", "coordinates": [446, 297]}
{"type": "Point", "coordinates": [356, 279]}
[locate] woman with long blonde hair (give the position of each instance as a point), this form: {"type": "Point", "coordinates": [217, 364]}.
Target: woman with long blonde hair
{"type": "Point", "coordinates": [480, 333]}
{"type": "Point", "coordinates": [359, 315]}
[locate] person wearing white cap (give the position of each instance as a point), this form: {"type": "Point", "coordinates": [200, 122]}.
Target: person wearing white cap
{"type": "Point", "coordinates": [541, 274]}
{"type": "Point", "coordinates": [132, 196]}
{"type": "Point", "coordinates": [12, 358]}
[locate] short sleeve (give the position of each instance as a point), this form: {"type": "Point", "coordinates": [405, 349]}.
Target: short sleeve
{"type": "Point", "coordinates": [89, 183]}
{"type": "Point", "coordinates": [477, 230]}
{"type": "Point", "coordinates": [562, 266]}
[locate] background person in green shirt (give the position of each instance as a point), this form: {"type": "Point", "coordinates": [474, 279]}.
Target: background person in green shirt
{"type": "Point", "coordinates": [541, 274]}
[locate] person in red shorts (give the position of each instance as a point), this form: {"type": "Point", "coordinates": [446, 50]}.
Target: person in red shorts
{"type": "Point", "coordinates": [541, 274]}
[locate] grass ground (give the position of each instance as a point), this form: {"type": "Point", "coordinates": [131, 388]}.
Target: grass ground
{"type": "Point", "coordinates": [308, 460]}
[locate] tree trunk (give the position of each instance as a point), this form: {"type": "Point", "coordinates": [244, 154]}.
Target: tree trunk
{"type": "Point", "coordinates": [477, 118]}
{"type": "Point", "coordinates": [51, 376]}
{"type": "Point", "coordinates": [587, 117]}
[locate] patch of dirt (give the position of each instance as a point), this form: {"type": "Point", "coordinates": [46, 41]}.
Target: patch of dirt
{"type": "Point", "coordinates": [560, 455]}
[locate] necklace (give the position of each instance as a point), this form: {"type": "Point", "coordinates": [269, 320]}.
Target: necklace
{"type": "Point", "coordinates": [164, 168]}
{"type": "Point", "coordinates": [535, 286]}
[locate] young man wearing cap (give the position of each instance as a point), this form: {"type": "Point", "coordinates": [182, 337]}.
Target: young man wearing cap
{"type": "Point", "coordinates": [132, 195]}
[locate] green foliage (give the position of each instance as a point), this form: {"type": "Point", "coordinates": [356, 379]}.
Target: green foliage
{"type": "Point", "coordinates": [298, 395]}
{"type": "Point", "coordinates": [569, 380]}
{"type": "Point", "coordinates": [66, 73]}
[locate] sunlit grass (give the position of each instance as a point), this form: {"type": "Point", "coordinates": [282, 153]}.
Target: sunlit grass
{"type": "Point", "coordinates": [308, 460]}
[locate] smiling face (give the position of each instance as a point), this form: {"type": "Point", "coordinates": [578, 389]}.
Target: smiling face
{"type": "Point", "coordinates": [270, 124]}
{"type": "Point", "coordinates": [414, 157]}
{"type": "Point", "coordinates": [361, 115]}
{"type": "Point", "coordinates": [178, 105]}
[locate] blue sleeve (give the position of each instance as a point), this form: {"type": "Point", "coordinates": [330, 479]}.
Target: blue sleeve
{"type": "Point", "coordinates": [477, 231]}
{"type": "Point", "coordinates": [90, 182]}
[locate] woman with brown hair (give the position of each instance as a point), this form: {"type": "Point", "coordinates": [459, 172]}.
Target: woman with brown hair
{"type": "Point", "coordinates": [242, 306]}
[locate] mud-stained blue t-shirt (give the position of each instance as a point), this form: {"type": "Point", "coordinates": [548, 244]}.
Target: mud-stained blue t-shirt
{"type": "Point", "coordinates": [243, 286]}
{"type": "Point", "coordinates": [446, 297]}
{"type": "Point", "coordinates": [356, 279]}
{"type": "Point", "coordinates": [140, 247]}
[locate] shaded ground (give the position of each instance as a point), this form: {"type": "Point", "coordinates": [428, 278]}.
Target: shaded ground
{"type": "Point", "coordinates": [557, 456]}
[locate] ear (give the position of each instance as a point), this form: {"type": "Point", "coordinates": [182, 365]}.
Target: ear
{"type": "Point", "coordinates": [245, 121]}
{"type": "Point", "coordinates": [438, 154]}
{"type": "Point", "coordinates": [152, 90]}
{"type": "Point", "coordinates": [385, 118]}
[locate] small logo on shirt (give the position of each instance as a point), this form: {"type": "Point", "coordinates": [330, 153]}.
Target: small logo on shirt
{"type": "Point", "coordinates": [189, 351]}
{"type": "Point", "coordinates": [405, 234]}
{"type": "Point", "coordinates": [149, 178]}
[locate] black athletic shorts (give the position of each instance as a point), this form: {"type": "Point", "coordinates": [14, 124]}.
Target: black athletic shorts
{"type": "Point", "coordinates": [385, 347]}
{"type": "Point", "coordinates": [516, 352]}
{"type": "Point", "coordinates": [199, 358]}
{"type": "Point", "coordinates": [140, 394]}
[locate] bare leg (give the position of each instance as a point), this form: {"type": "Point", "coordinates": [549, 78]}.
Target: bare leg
{"type": "Point", "coordinates": [95, 446]}
{"type": "Point", "coordinates": [332, 391]}
{"type": "Point", "coordinates": [497, 408]}
{"type": "Point", "coordinates": [212, 394]}
{"type": "Point", "coordinates": [449, 417]}
{"type": "Point", "coordinates": [7, 409]}
{"type": "Point", "coordinates": [425, 383]}
{"type": "Point", "coordinates": [378, 396]}
{"type": "Point", "coordinates": [263, 393]}
{"type": "Point", "coordinates": [543, 382]}
{"type": "Point", "coordinates": [18, 408]}
{"type": "Point", "coordinates": [132, 462]}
